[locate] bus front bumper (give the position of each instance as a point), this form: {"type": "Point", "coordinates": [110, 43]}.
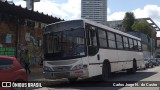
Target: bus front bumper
{"type": "Point", "coordinates": [83, 73]}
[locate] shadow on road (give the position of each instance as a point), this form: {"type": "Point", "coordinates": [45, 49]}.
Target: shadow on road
{"type": "Point", "coordinates": [121, 77]}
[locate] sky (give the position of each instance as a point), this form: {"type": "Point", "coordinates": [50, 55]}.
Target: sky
{"type": "Point", "coordinates": [71, 9]}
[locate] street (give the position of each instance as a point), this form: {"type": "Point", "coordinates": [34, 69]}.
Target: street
{"type": "Point", "coordinates": [146, 76]}
{"type": "Point", "coordinates": [82, 38]}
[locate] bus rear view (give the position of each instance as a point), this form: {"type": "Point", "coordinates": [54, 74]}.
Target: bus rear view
{"type": "Point", "coordinates": [64, 49]}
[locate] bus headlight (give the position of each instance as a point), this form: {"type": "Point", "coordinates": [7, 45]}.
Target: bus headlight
{"type": "Point", "coordinates": [47, 68]}
{"type": "Point", "coordinates": [77, 67]}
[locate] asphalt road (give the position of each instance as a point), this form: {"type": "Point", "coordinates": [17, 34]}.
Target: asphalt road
{"type": "Point", "coordinates": [148, 79]}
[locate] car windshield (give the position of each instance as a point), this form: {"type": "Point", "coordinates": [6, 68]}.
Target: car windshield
{"type": "Point", "coordinates": [62, 44]}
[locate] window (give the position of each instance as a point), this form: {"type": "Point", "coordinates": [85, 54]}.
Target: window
{"type": "Point", "coordinates": [4, 61]}
{"type": "Point", "coordinates": [111, 40]}
{"type": "Point", "coordinates": [119, 42]}
{"type": "Point", "coordinates": [131, 44]}
{"type": "Point", "coordinates": [139, 46]}
{"type": "Point", "coordinates": [92, 40]}
{"type": "Point", "coordinates": [125, 42]}
{"type": "Point", "coordinates": [30, 23]}
{"type": "Point", "coordinates": [102, 38]}
{"type": "Point", "coordinates": [135, 45]}
{"type": "Point", "coordinates": [92, 36]}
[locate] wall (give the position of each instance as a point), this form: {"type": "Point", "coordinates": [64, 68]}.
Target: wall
{"type": "Point", "coordinates": [28, 38]}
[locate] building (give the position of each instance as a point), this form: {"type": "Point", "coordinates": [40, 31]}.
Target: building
{"type": "Point", "coordinates": [148, 43]}
{"type": "Point", "coordinates": [22, 29]}
{"type": "Point", "coordinates": [158, 42]}
{"type": "Point", "coordinates": [117, 24]}
{"type": "Point", "coordinates": [158, 47]}
{"type": "Point", "coordinates": [95, 10]}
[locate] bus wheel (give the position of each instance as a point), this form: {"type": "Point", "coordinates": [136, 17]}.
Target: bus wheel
{"type": "Point", "coordinates": [134, 69]}
{"type": "Point", "coordinates": [105, 72]}
{"type": "Point", "coordinates": [72, 79]}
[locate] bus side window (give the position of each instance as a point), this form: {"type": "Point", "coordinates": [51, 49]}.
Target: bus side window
{"type": "Point", "coordinates": [92, 41]}
{"type": "Point", "coordinates": [139, 46]}
{"type": "Point", "coordinates": [125, 42]}
{"type": "Point", "coordinates": [135, 45]}
{"type": "Point", "coordinates": [102, 38]}
{"type": "Point", "coordinates": [111, 40]}
{"type": "Point", "coordinates": [119, 41]}
{"type": "Point", "coordinates": [93, 37]}
{"type": "Point", "coordinates": [131, 44]}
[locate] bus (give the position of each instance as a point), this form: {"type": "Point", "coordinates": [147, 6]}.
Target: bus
{"type": "Point", "coordinates": [79, 49]}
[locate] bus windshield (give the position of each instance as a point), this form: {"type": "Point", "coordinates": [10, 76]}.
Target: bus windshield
{"type": "Point", "coordinates": [65, 44]}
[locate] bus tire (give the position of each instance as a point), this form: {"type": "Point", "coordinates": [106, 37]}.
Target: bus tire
{"type": "Point", "coordinates": [133, 69]}
{"type": "Point", "coordinates": [105, 71]}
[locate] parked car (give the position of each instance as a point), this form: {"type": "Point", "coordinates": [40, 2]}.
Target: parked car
{"type": "Point", "coordinates": [154, 61]}
{"type": "Point", "coordinates": [11, 71]}
{"type": "Point", "coordinates": [158, 60]}
{"type": "Point", "coordinates": [148, 63]}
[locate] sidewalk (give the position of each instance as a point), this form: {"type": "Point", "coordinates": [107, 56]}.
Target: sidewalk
{"type": "Point", "coordinates": [36, 74]}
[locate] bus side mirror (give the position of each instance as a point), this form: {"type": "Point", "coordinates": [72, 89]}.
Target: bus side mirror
{"type": "Point", "coordinates": [92, 50]}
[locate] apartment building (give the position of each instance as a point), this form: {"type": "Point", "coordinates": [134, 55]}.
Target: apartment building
{"type": "Point", "coordinates": [95, 10]}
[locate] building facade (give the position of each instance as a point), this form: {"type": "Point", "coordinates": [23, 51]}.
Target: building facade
{"type": "Point", "coordinates": [158, 42]}
{"type": "Point", "coordinates": [95, 10]}
{"type": "Point", "coordinates": [22, 29]}
{"type": "Point", "coordinates": [117, 24]}
{"type": "Point", "coordinates": [158, 47]}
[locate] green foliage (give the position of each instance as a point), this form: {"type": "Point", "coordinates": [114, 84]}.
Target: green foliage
{"type": "Point", "coordinates": [128, 21]}
{"type": "Point", "coordinates": [142, 27]}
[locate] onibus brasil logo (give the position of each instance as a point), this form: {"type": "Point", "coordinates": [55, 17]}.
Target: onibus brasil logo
{"type": "Point", "coordinates": [17, 84]}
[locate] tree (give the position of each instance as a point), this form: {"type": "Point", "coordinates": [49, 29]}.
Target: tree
{"type": "Point", "coordinates": [128, 21]}
{"type": "Point", "coordinates": [142, 27]}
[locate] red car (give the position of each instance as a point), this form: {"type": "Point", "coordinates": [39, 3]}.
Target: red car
{"type": "Point", "coordinates": [11, 71]}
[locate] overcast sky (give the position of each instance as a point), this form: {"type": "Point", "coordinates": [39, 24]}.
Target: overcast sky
{"type": "Point", "coordinates": [71, 9]}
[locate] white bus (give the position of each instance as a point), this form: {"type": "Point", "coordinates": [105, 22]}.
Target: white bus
{"type": "Point", "coordinates": [81, 48]}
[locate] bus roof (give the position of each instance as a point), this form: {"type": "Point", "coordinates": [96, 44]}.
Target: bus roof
{"type": "Point", "coordinates": [100, 26]}
{"type": "Point", "coordinates": [109, 28]}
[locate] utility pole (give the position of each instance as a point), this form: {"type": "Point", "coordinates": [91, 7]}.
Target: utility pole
{"type": "Point", "coordinates": [151, 49]}
{"type": "Point", "coordinates": [17, 37]}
